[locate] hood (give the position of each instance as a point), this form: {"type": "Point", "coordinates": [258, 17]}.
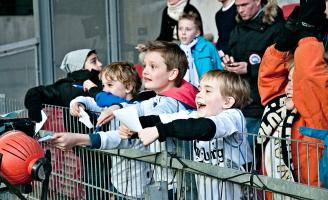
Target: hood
{"type": "Point", "coordinates": [74, 60]}
{"type": "Point", "coordinates": [186, 94]}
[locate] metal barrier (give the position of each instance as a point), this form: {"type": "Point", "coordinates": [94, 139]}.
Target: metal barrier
{"type": "Point", "coordinates": [159, 172]}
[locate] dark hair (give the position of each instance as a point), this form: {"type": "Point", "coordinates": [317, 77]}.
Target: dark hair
{"type": "Point", "coordinates": [192, 16]}
{"type": "Point", "coordinates": [174, 57]}
{"type": "Point", "coordinates": [91, 52]}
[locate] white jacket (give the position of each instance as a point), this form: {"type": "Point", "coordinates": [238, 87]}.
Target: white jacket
{"type": "Point", "coordinates": [228, 148]}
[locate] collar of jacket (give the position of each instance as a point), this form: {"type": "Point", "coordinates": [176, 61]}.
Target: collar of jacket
{"type": "Point", "coordinates": [269, 14]}
{"type": "Point", "coordinates": [201, 43]}
{"type": "Point", "coordinates": [186, 94]}
{"type": "Point", "coordinates": [255, 23]}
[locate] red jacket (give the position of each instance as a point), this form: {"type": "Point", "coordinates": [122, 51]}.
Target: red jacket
{"type": "Point", "coordinates": [310, 96]}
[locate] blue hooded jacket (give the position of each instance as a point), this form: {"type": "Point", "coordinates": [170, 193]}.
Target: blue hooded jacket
{"type": "Point", "coordinates": [206, 56]}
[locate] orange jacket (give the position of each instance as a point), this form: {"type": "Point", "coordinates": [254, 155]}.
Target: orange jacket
{"type": "Point", "coordinates": [310, 96]}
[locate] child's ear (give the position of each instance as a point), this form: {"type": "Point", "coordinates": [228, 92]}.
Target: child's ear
{"type": "Point", "coordinates": [229, 102]}
{"type": "Point", "coordinates": [173, 74]}
{"type": "Point", "coordinates": [128, 89]}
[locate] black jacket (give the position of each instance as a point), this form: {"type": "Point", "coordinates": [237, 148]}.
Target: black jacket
{"type": "Point", "coordinates": [247, 40]}
{"type": "Point", "coordinates": [60, 93]}
{"type": "Point", "coordinates": [168, 24]}
{"type": "Point", "coordinates": [225, 22]}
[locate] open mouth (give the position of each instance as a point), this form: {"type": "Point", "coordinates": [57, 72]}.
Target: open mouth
{"type": "Point", "coordinates": [200, 105]}
{"type": "Point", "coordinates": [146, 79]}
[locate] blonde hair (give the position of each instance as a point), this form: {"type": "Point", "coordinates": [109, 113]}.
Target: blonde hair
{"type": "Point", "coordinates": [231, 85]}
{"type": "Point", "coordinates": [123, 72]}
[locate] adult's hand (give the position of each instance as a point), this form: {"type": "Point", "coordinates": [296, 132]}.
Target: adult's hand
{"type": "Point", "coordinates": [226, 59]}
{"type": "Point", "coordinates": [237, 67]}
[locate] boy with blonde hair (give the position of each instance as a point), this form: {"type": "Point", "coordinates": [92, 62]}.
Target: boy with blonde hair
{"type": "Point", "coordinates": [218, 119]}
{"type": "Point", "coordinates": [121, 83]}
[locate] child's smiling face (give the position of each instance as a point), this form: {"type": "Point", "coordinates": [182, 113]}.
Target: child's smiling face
{"type": "Point", "coordinates": [209, 100]}
{"type": "Point", "coordinates": [289, 91]}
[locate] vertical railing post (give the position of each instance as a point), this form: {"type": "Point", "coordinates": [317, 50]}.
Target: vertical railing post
{"type": "Point", "coordinates": [2, 103]}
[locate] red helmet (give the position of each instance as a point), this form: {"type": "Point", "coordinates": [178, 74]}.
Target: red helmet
{"type": "Point", "coordinates": [22, 158]}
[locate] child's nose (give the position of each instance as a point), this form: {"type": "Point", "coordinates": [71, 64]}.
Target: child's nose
{"type": "Point", "coordinates": [145, 71]}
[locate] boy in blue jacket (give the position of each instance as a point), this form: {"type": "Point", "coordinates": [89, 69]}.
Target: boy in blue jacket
{"type": "Point", "coordinates": [201, 54]}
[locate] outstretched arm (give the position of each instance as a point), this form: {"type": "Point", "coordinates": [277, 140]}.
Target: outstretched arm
{"type": "Point", "coordinates": [185, 129]}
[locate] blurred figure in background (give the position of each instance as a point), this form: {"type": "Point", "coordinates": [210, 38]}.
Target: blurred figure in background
{"type": "Point", "coordinates": [225, 20]}
{"type": "Point", "coordinates": [170, 17]}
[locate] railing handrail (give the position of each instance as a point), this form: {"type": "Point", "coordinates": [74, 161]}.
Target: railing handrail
{"type": "Point", "coordinates": [18, 45]}
{"type": "Point", "coordinates": [223, 173]}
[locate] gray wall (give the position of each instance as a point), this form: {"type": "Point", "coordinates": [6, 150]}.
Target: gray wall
{"type": "Point", "coordinates": [18, 73]}
{"type": "Point", "coordinates": [16, 28]}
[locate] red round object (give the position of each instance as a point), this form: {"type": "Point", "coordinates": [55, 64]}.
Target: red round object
{"type": "Point", "coordinates": [19, 153]}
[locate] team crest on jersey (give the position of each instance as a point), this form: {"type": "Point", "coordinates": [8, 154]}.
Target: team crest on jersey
{"type": "Point", "coordinates": [254, 59]}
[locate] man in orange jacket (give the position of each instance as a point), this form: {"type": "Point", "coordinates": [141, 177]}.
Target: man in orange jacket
{"type": "Point", "coordinates": [295, 97]}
